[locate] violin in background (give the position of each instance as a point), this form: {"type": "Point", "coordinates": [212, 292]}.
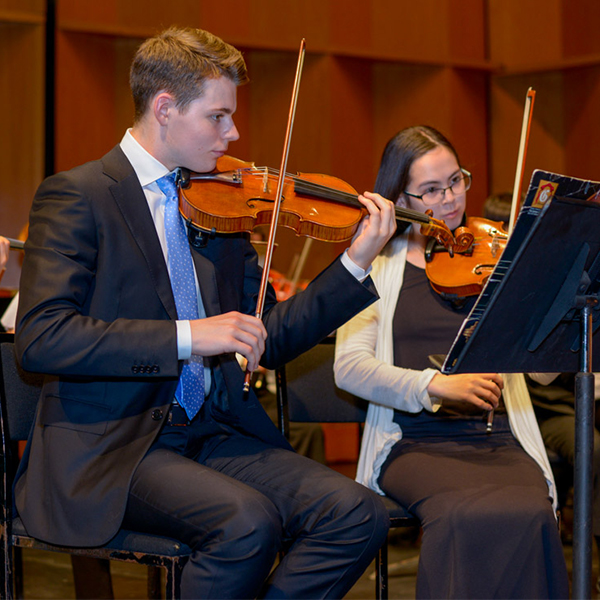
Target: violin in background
{"type": "Point", "coordinates": [466, 273]}
{"type": "Point", "coordinates": [471, 268]}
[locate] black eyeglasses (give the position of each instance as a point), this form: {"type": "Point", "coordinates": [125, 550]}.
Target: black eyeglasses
{"type": "Point", "coordinates": [459, 184]}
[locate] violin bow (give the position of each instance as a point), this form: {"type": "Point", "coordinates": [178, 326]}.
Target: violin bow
{"type": "Point", "coordinates": [529, 100]}
{"type": "Point", "coordinates": [260, 303]}
{"type": "Point", "coordinates": [525, 128]}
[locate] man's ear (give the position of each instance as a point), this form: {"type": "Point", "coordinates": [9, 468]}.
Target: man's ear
{"type": "Point", "coordinates": [162, 106]}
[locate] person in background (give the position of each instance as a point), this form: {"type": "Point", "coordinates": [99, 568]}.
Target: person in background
{"type": "Point", "coordinates": [9, 316]}
{"type": "Point", "coordinates": [553, 398]}
{"type": "Point", "coordinates": [484, 497]}
{"type": "Point", "coordinates": [143, 421]}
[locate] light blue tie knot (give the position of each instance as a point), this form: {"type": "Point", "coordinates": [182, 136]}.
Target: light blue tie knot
{"type": "Point", "coordinates": [190, 391]}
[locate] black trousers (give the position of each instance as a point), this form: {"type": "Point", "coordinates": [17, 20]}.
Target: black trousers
{"type": "Point", "coordinates": [489, 529]}
{"type": "Point", "coordinates": [236, 501]}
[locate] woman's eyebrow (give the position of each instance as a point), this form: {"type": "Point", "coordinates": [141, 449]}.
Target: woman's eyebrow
{"type": "Point", "coordinates": [438, 181]}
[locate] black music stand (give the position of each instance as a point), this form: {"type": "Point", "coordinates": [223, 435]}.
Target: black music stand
{"type": "Point", "coordinates": [540, 317]}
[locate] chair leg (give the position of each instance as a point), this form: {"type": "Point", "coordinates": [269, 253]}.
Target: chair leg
{"type": "Point", "coordinates": [173, 587]}
{"type": "Point", "coordinates": [7, 552]}
{"type": "Point", "coordinates": [381, 568]}
{"type": "Point", "coordinates": [154, 583]}
{"type": "Point", "coordinates": [18, 572]}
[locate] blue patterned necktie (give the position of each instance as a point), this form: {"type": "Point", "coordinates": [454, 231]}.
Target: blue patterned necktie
{"type": "Point", "coordinates": [190, 391]}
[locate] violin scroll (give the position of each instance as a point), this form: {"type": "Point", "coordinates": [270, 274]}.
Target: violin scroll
{"type": "Point", "coordinates": [459, 242]}
{"type": "Point", "coordinates": [463, 240]}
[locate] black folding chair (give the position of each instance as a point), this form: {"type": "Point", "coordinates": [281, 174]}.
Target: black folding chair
{"type": "Point", "coordinates": [19, 394]}
{"type": "Point", "coordinates": [306, 392]}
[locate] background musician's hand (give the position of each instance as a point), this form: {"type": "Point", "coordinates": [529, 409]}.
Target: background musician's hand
{"type": "Point", "coordinates": [230, 332]}
{"type": "Point", "coordinates": [480, 389]}
{"type": "Point", "coordinates": [4, 247]}
{"type": "Point", "coordinates": [374, 230]}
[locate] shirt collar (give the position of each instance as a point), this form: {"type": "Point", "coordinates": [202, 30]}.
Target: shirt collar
{"type": "Point", "coordinates": [147, 168]}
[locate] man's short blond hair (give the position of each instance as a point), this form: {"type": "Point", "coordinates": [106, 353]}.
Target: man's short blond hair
{"type": "Point", "coordinates": [179, 61]}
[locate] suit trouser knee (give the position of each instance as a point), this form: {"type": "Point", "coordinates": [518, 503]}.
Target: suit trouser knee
{"type": "Point", "coordinates": [225, 523]}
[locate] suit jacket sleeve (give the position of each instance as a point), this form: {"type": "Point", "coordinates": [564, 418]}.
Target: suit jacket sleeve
{"type": "Point", "coordinates": [86, 305]}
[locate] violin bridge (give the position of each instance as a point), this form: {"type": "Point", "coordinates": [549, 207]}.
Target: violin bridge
{"type": "Point", "coordinates": [265, 181]}
{"type": "Point", "coordinates": [495, 246]}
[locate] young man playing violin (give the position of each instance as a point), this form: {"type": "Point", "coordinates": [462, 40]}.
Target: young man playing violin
{"type": "Point", "coordinates": [142, 422]}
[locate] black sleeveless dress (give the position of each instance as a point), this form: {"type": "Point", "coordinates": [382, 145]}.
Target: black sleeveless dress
{"type": "Point", "coordinates": [489, 529]}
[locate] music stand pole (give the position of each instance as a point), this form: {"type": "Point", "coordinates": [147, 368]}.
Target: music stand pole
{"type": "Point", "coordinates": [584, 450]}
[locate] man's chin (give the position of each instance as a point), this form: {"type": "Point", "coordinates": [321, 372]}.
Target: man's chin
{"type": "Point", "coordinates": [205, 167]}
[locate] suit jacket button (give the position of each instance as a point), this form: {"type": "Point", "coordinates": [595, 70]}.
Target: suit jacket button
{"type": "Point", "coordinates": [156, 369]}
{"type": "Point", "coordinates": [157, 414]}
{"type": "Point", "coordinates": [135, 369]}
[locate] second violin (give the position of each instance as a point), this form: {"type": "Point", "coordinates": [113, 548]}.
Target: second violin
{"type": "Point", "coordinates": [467, 274]}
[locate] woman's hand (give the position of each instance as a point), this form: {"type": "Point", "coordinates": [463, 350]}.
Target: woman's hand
{"type": "Point", "coordinates": [480, 389]}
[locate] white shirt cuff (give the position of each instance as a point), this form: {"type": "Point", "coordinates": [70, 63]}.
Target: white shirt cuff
{"type": "Point", "coordinates": [184, 340]}
{"type": "Point", "coordinates": [356, 271]}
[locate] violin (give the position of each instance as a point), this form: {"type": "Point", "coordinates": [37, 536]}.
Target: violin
{"type": "Point", "coordinates": [466, 274]}
{"type": "Point", "coordinates": [238, 196]}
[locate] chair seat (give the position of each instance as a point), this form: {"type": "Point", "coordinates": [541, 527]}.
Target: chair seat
{"type": "Point", "coordinates": [398, 514]}
{"type": "Point", "coordinates": [124, 541]}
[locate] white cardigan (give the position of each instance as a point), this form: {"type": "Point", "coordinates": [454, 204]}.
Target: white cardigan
{"type": "Point", "coordinates": [364, 366]}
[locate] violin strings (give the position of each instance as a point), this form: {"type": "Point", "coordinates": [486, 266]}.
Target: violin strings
{"type": "Point", "coordinates": [327, 193]}
{"type": "Point", "coordinates": [317, 189]}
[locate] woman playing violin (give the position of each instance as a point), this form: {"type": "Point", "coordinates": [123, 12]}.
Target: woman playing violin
{"type": "Point", "coordinates": [483, 495]}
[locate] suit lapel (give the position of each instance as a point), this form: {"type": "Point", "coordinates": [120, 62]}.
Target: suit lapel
{"type": "Point", "coordinates": [132, 203]}
{"type": "Point", "coordinates": [207, 279]}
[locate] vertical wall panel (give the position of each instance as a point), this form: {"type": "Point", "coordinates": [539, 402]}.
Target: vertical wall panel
{"type": "Point", "coordinates": [466, 94]}
{"type": "Point", "coordinates": [85, 99]}
{"type": "Point", "coordinates": [22, 138]}
{"type": "Point", "coordinates": [582, 115]}
{"type": "Point", "coordinates": [525, 32]}
{"type": "Point", "coordinates": [546, 139]}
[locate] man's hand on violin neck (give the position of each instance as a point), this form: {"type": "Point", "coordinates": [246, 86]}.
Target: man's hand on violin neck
{"type": "Point", "coordinates": [374, 231]}
{"type": "Point", "coordinates": [230, 332]}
